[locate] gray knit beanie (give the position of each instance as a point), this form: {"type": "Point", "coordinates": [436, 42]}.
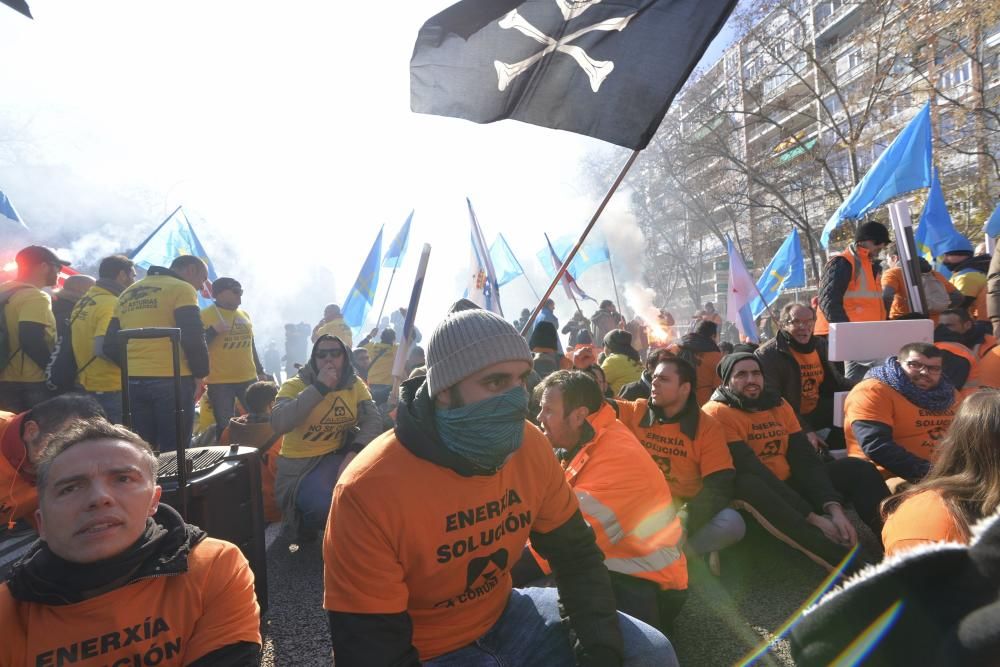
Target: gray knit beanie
{"type": "Point", "coordinates": [466, 342]}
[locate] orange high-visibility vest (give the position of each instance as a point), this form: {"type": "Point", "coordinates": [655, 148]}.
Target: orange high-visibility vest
{"type": "Point", "coordinates": [626, 500]}
{"type": "Point", "coordinates": [863, 298]}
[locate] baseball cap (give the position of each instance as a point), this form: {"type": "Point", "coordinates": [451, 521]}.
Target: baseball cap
{"type": "Point", "coordinates": [36, 254]}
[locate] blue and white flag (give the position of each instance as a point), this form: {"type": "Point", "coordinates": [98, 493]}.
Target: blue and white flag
{"type": "Point", "coordinates": [7, 210]}
{"type": "Point", "coordinates": [175, 237]}
{"type": "Point", "coordinates": [394, 255]}
{"type": "Point", "coordinates": [362, 295]}
{"type": "Point", "coordinates": [592, 252]}
{"type": "Point", "coordinates": [903, 167]}
{"type": "Point", "coordinates": [741, 292]}
{"type": "Point", "coordinates": [568, 282]}
{"type": "Point", "coordinates": [504, 261]}
{"type": "Point", "coordinates": [787, 269]}
{"type": "Point", "coordinates": [483, 288]}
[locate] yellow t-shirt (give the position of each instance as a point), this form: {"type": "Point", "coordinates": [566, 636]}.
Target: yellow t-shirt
{"type": "Point", "coordinates": [381, 358]}
{"type": "Point", "coordinates": [26, 304]}
{"type": "Point", "coordinates": [90, 319]}
{"type": "Point", "coordinates": [973, 283]}
{"type": "Point", "coordinates": [151, 302]}
{"type": "Point", "coordinates": [230, 354]}
{"type": "Point", "coordinates": [324, 429]}
{"type": "Point", "coordinates": [206, 415]}
{"type": "Point", "coordinates": [338, 328]}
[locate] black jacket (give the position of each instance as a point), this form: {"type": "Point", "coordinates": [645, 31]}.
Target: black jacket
{"type": "Point", "coordinates": [638, 390]}
{"type": "Point", "coordinates": [783, 375]}
{"type": "Point", "coordinates": [950, 614]}
{"type": "Point", "coordinates": [584, 585]}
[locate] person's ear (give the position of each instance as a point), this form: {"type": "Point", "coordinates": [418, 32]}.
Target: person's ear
{"type": "Point", "coordinates": [578, 416]}
{"type": "Point", "coordinates": [154, 503]}
{"type": "Point", "coordinates": [40, 523]}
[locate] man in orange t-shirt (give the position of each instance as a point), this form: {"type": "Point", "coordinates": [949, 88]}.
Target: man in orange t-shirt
{"type": "Point", "coordinates": [689, 447]}
{"type": "Point", "coordinates": [118, 578]}
{"type": "Point", "coordinates": [898, 414]}
{"type": "Point", "coordinates": [622, 495]}
{"type": "Point", "coordinates": [700, 348]}
{"type": "Point", "coordinates": [797, 368]}
{"type": "Point", "coordinates": [428, 520]}
{"type": "Point", "coordinates": [894, 287]}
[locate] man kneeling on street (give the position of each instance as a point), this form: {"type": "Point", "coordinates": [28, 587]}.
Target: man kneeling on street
{"type": "Point", "coordinates": [428, 520]}
{"type": "Point", "coordinates": [118, 578]}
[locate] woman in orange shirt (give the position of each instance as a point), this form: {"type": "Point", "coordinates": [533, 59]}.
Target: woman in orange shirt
{"type": "Point", "coordinates": [962, 487]}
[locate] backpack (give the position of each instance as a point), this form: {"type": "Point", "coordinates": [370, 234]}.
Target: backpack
{"type": "Point", "coordinates": [61, 372]}
{"type": "Point", "coordinates": [935, 293]}
{"type": "Point", "coordinates": [6, 354]}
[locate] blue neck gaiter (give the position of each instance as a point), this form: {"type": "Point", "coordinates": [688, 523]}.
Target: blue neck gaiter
{"type": "Point", "coordinates": [485, 433]}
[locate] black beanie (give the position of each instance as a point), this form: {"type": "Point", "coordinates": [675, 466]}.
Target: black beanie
{"type": "Point", "coordinates": [725, 366]}
{"type": "Point", "coordinates": [544, 336]}
{"type": "Point", "coordinates": [872, 231]}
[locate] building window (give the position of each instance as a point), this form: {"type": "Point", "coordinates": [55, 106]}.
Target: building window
{"type": "Point", "coordinates": [955, 76]}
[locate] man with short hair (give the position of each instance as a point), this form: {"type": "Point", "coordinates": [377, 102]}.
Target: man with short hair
{"type": "Point", "coordinates": [65, 298]}
{"type": "Point", "coordinates": [23, 438]}
{"type": "Point", "coordinates": [960, 322]}
{"type": "Point", "coordinates": [797, 368]}
{"type": "Point", "coordinates": [641, 388]}
{"type": "Point", "coordinates": [112, 557]}
{"type": "Point", "coordinates": [381, 356]}
{"type": "Point", "coordinates": [232, 353]}
{"type": "Point", "coordinates": [897, 416]}
{"type": "Point", "coordinates": [897, 302]}
{"type": "Point", "coordinates": [30, 328]}
{"type": "Point", "coordinates": [417, 576]}
{"type": "Point", "coordinates": [164, 298]}
{"type": "Point", "coordinates": [97, 373]}
{"type": "Point", "coordinates": [711, 315]}
{"type": "Point", "coordinates": [548, 314]}
{"type": "Point", "coordinates": [623, 496]}
{"type": "Point", "coordinates": [802, 493]}
{"type": "Point", "coordinates": [359, 356]}
{"type": "Point", "coordinates": [689, 447]}
{"type": "Point", "coordinates": [254, 430]}
{"type": "Point", "coordinates": [849, 289]}
{"type": "Point", "coordinates": [700, 348]}
{"type": "Point", "coordinates": [333, 324]}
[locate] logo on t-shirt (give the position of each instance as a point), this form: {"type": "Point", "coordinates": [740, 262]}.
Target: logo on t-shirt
{"type": "Point", "coordinates": [139, 297]}
{"type": "Point", "coordinates": [333, 423]}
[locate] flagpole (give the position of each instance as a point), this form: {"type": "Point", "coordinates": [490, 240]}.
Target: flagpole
{"type": "Point", "coordinates": [523, 272]}
{"type": "Point", "coordinates": [406, 335]}
{"type": "Point", "coordinates": [158, 228]}
{"type": "Point", "coordinates": [386, 299]}
{"type": "Point", "coordinates": [566, 285]}
{"type": "Point", "coordinates": [579, 243]}
{"type": "Point", "coordinates": [614, 283]}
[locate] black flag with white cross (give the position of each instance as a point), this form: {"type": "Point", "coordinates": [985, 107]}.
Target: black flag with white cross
{"type": "Point", "coordinates": [604, 68]}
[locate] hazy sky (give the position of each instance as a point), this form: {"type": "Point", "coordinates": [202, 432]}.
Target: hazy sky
{"type": "Point", "coordinates": [284, 129]}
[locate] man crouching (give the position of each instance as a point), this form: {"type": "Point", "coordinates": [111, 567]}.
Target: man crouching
{"type": "Point", "coordinates": [117, 577]}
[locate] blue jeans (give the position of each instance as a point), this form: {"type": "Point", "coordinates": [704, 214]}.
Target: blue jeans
{"type": "Point", "coordinates": [529, 632]}
{"type": "Point", "coordinates": [316, 491]}
{"type": "Point", "coordinates": [152, 404]}
{"type": "Point", "coordinates": [221, 396]}
{"type": "Point", "coordinates": [111, 403]}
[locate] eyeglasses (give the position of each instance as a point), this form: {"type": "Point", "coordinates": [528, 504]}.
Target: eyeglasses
{"type": "Point", "coordinates": [802, 324]}
{"type": "Point", "coordinates": [918, 367]}
{"type": "Point", "coordinates": [333, 354]}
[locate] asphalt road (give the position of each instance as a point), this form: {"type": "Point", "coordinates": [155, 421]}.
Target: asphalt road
{"type": "Point", "coordinates": [725, 619]}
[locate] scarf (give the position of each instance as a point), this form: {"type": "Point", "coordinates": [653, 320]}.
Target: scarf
{"type": "Point", "coordinates": [808, 348]}
{"type": "Point", "coordinates": [43, 577]}
{"type": "Point", "coordinates": [891, 373]}
{"type": "Point", "coordinates": [767, 400]}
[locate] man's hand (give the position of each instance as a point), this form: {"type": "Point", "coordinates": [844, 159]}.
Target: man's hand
{"type": "Point", "coordinates": [818, 443]}
{"type": "Point", "coordinates": [845, 529]}
{"type": "Point", "coordinates": [371, 334]}
{"type": "Point", "coordinates": [826, 525]}
{"type": "Point", "coordinates": [199, 385]}
{"type": "Point", "coordinates": [328, 375]}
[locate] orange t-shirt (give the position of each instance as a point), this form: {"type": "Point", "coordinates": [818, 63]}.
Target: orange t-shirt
{"type": "Point", "coordinates": [989, 369]}
{"type": "Point", "coordinates": [766, 432]}
{"type": "Point", "coordinates": [405, 534]}
{"type": "Point", "coordinates": [683, 462]}
{"type": "Point", "coordinates": [920, 519]}
{"type": "Point", "coordinates": [18, 494]}
{"type": "Point", "coordinates": [811, 375]}
{"type": "Point", "coordinates": [169, 620]}
{"type": "Point", "coordinates": [705, 364]}
{"type": "Point", "coordinates": [916, 430]}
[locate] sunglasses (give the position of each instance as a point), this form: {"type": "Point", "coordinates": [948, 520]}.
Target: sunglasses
{"type": "Point", "coordinates": [333, 354]}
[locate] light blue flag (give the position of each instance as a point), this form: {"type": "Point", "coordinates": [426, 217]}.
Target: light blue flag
{"type": "Point", "coordinates": [903, 167]}
{"type": "Point", "coordinates": [174, 237]}
{"type": "Point", "coordinates": [787, 269]}
{"type": "Point", "coordinates": [483, 288]}
{"type": "Point", "coordinates": [936, 233]}
{"type": "Point", "coordinates": [993, 224]}
{"type": "Point", "coordinates": [504, 262]}
{"type": "Point", "coordinates": [591, 252]}
{"type": "Point", "coordinates": [394, 255]}
{"type": "Point", "coordinates": [7, 210]}
{"type": "Point", "coordinates": [362, 295]}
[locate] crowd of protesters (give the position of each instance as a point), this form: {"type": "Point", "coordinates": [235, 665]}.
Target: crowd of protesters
{"type": "Point", "coordinates": [514, 499]}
